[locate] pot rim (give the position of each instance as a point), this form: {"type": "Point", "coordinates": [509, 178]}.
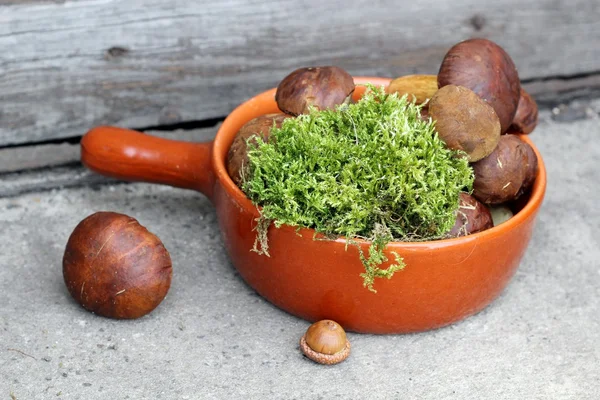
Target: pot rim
{"type": "Point", "coordinates": [256, 106]}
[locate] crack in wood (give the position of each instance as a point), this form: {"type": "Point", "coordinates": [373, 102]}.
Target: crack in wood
{"type": "Point", "coordinates": [178, 126]}
{"type": "Point", "coordinates": [23, 2]}
{"type": "Point", "coordinates": [187, 61]}
{"type": "Point", "coordinates": [22, 167]}
{"type": "Point", "coordinates": [100, 26]}
{"type": "Point", "coordinates": [50, 166]}
{"type": "Point", "coordinates": [548, 91]}
{"type": "Point", "coordinates": [552, 91]}
{"type": "Point", "coordinates": [571, 77]}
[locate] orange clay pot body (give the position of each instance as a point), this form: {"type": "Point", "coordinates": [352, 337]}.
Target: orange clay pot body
{"type": "Point", "coordinates": [443, 281]}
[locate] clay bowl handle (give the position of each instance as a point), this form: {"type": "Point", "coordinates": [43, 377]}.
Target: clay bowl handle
{"type": "Point", "coordinates": [134, 156]}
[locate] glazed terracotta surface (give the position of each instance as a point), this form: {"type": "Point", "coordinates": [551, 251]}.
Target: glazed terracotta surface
{"type": "Point", "coordinates": [443, 282]}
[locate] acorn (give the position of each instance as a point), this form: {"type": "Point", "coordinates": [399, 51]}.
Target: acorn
{"type": "Point", "coordinates": [325, 342]}
{"type": "Point", "coordinates": [319, 87]}
{"type": "Point", "coordinates": [115, 267]}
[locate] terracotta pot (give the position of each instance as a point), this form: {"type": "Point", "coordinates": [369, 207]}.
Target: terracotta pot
{"type": "Point", "coordinates": [443, 282]}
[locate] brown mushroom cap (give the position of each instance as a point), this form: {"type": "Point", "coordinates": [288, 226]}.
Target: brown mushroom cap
{"type": "Point", "coordinates": [500, 176]}
{"type": "Point", "coordinates": [237, 157]}
{"type": "Point", "coordinates": [319, 87]}
{"type": "Point", "coordinates": [418, 88]}
{"type": "Point", "coordinates": [471, 217]}
{"type": "Point", "coordinates": [485, 68]}
{"type": "Point", "coordinates": [464, 121]}
{"type": "Point", "coordinates": [531, 169]}
{"type": "Point", "coordinates": [526, 117]}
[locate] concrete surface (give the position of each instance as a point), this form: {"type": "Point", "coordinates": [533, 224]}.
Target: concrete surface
{"type": "Point", "coordinates": [213, 337]}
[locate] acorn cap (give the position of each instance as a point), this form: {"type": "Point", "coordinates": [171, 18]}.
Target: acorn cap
{"type": "Point", "coordinates": [321, 358]}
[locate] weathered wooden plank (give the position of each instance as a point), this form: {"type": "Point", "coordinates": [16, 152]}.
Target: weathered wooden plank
{"type": "Point", "coordinates": [22, 158]}
{"type": "Point", "coordinates": [189, 135]}
{"type": "Point", "coordinates": [66, 66]}
{"type": "Point", "coordinates": [21, 2]}
{"type": "Point", "coordinates": [17, 183]}
{"type": "Point", "coordinates": [43, 167]}
{"type": "Point", "coordinates": [16, 159]}
{"type": "Point", "coordinates": [14, 184]}
{"type": "Point", "coordinates": [551, 92]}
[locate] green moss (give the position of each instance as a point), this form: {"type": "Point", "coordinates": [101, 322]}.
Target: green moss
{"type": "Point", "coordinates": [372, 170]}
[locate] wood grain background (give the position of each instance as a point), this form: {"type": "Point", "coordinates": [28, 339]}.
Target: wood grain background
{"type": "Point", "coordinates": [68, 65]}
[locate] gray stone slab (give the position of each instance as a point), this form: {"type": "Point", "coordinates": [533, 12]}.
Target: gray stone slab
{"type": "Point", "coordinates": [214, 338]}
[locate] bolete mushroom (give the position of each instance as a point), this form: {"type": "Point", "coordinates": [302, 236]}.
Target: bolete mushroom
{"type": "Point", "coordinates": [526, 117]}
{"type": "Point", "coordinates": [500, 176]}
{"type": "Point", "coordinates": [319, 87]}
{"type": "Point", "coordinates": [237, 157]}
{"type": "Point", "coordinates": [531, 169]}
{"type": "Point", "coordinates": [417, 88]}
{"type": "Point", "coordinates": [471, 217]}
{"type": "Point", "coordinates": [464, 121]}
{"type": "Point", "coordinates": [485, 68]}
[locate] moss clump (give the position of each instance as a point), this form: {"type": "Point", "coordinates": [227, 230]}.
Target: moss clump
{"type": "Point", "coordinates": [371, 170]}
